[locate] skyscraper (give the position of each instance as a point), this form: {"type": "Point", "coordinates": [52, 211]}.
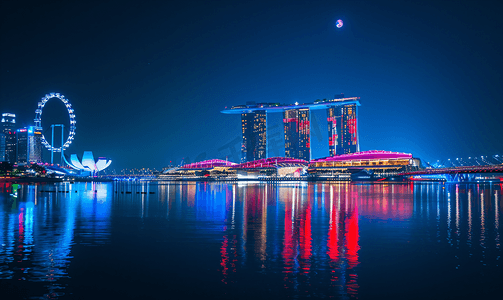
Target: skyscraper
{"type": "Point", "coordinates": [8, 138]}
{"type": "Point", "coordinates": [342, 129]}
{"type": "Point", "coordinates": [22, 145]}
{"type": "Point", "coordinates": [342, 126]}
{"type": "Point", "coordinates": [254, 143]}
{"type": "Point", "coordinates": [34, 144]}
{"type": "Point", "coordinates": [29, 145]}
{"type": "Point", "coordinates": [290, 119]}
{"type": "Point", "coordinates": [297, 133]}
{"type": "Point", "coordinates": [2, 146]}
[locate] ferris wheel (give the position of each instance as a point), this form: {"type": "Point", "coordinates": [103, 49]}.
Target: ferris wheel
{"type": "Point", "coordinates": [38, 121]}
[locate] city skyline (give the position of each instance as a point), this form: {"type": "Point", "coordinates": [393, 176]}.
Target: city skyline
{"type": "Point", "coordinates": [146, 95]}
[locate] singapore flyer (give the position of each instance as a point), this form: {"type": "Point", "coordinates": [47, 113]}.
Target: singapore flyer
{"type": "Point", "coordinates": [38, 121]}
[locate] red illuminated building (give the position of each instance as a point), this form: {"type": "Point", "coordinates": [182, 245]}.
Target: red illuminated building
{"type": "Point", "coordinates": [342, 127]}
{"type": "Point", "coordinates": [297, 133]}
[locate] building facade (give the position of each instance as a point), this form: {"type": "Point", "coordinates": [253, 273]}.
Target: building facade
{"type": "Point", "coordinates": [343, 129]}
{"type": "Point", "coordinates": [290, 119]}
{"type": "Point", "coordinates": [22, 145]}
{"type": "Point", "coordinates": [2, 146]}
{"type": "Point", "coordinates": [35, 144]}
{"type": "Point", "coordinates": [8, 138]}
{"type": "Point", "coordinates": [254, 143]}
{"type": "Point", "coordinates": [29, 145]}
{"type": "Point", "coordinates": [297, 133]}
{"type": "Point", "coordinates": [342, 123]}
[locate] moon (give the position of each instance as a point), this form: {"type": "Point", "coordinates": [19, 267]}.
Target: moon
{"type": "Point", "coordinates": [339, 23]}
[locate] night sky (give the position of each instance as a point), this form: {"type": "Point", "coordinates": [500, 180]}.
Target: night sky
{"type": "Point", "coordinates": [148, 80]}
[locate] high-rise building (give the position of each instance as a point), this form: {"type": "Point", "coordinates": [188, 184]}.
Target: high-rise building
{"type": "Point", "coordinates": [342, 129]}
{"type": "Point", "coordinates": [22, 145]}
{"type": "Point", "coordinates": [297, 133]}
{"type": "Point", "coordinates": [2, 146]}
{"type": "Point", "coordinates": [8, 138]}
{"type": "Point", "coordinates": [342, 126]}
{"type": "Point", "coordinates": [35, 144]}
{"type": "Point", "coordinates": [290, 119]}
{"type": "Point", "coordinates": [253, 127]}
{"type": "Point", "coordinates": [29, 145]}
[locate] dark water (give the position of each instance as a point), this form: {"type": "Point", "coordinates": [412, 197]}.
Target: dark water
{"type": "Point", "coordinates": [251, 241]}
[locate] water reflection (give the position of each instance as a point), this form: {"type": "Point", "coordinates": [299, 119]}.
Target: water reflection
{"type": "Point", "coordinates": [468, 221]}
{"type": "Point", "coordinates": [318, 226]}
{"type": "Point", "coordinates": [296, 239]}
{"type": "Point", "coordinates": [40, 226]}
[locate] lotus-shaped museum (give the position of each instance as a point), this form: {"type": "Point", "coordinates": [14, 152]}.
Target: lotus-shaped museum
{"type": "Point", "coordinates": [88, 163]}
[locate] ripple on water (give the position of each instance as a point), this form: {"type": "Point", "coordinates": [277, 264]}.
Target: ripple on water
{"type": "Point", "coordinates": [251, 240]}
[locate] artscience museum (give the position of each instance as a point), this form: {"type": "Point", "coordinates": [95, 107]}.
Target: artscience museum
{"type": "Point", "coordinates": [88, 163]}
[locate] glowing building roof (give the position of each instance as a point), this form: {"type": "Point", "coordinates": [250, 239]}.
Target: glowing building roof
{"type": "Point", "coordinates": [366, 155]}
{"type": "Point", "coordinates": [208, 164]}
{"type": "Point", "coordinates": [272, 162]}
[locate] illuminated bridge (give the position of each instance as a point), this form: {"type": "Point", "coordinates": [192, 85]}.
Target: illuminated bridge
{"type": "Point", "coordinates": [457, 170]}
{"type": "Point", "coordinates": [467, 162]}
{"type": "Point", "coordinates": [459, 174]}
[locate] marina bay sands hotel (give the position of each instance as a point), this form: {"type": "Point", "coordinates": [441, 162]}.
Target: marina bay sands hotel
{"type": "Point", "coordinates": [342, 119]}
